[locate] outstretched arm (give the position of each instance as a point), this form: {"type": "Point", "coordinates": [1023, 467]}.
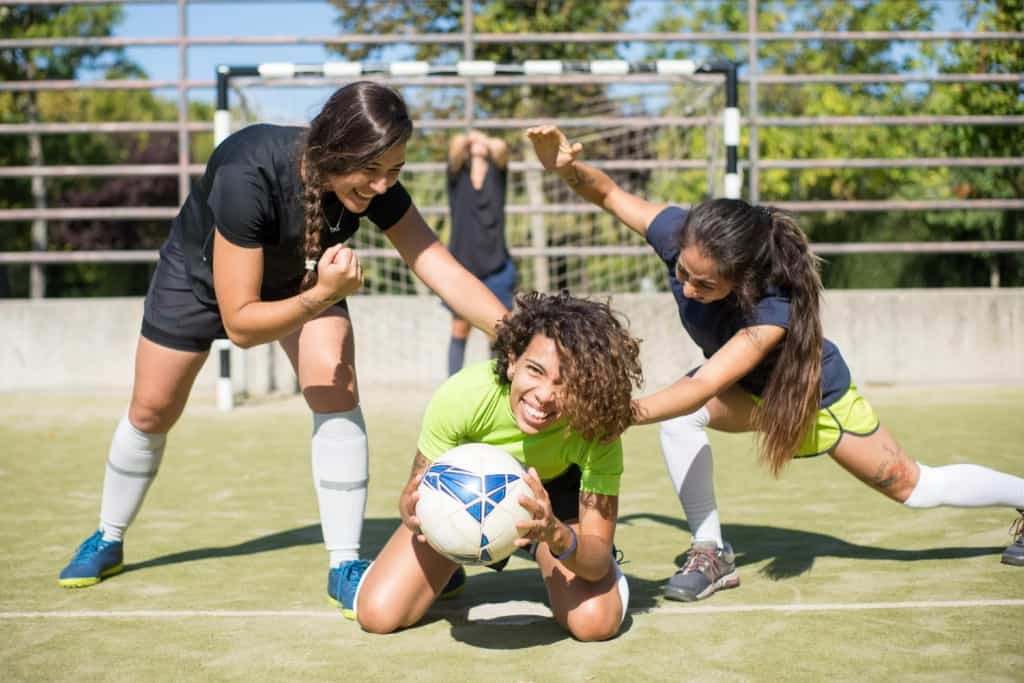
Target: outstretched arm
{"type": "Point", "coordinates": [736, 358]}
{"type": "Point", "coordinates": [556, 154]}
{"type": "Point", "coordinates": [437, 268]}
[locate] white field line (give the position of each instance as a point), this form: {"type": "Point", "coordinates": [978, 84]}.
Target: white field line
{"type": "Point", "coordinates": [692, 609]}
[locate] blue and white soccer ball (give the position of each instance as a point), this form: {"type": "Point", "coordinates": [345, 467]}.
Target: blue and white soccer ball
{"type": "Point", "coordinates": [469, 503]}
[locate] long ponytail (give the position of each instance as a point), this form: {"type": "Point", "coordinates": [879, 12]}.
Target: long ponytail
{"type": "Point", "coordinates": [793, 394]}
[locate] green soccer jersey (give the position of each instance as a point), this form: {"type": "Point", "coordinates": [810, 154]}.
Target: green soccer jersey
{"type": "Point", "coordinates": [473, 407]}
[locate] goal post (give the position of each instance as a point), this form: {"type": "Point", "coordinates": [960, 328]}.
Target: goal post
{"type": "Point", "coordinates": [692, 130]}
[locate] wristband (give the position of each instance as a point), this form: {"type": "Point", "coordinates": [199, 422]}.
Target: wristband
{"type": "Point", "coordinates": [572, 546]}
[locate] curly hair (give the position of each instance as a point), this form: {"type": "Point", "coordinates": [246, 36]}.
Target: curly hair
{"type": "Point", "coordinates": [359, 123]}
{"type": "Point", "coordinates": [599, 358]}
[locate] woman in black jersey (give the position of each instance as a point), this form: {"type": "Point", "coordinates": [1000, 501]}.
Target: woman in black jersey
{"type": "Point", "coordinates": [256, 254]}
{"type": "Point", "coordinates": [747, 288]}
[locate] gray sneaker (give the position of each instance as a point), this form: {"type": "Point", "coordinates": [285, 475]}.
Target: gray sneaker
{"type": "Point", "coordinates": [707, 569]}
{"type": "Point", "coordinates": [1014, 553]}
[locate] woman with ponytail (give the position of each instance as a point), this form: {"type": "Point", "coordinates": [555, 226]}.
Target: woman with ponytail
{"type": "Point", "coordinates": [257, 254]}
{"type": "Point", "coordinates": [748, 291]}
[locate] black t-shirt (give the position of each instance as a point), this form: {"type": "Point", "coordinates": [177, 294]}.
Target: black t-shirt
{"type": "Point", "coordinates": [711, 325]}
{"type": "Point", "coordinates": [478, 220]}
{"type": "Point", "coordinates": [251, 191]}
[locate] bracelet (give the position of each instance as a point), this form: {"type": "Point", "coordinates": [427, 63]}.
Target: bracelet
{"type": "Point", "coordinates": [572, 546]}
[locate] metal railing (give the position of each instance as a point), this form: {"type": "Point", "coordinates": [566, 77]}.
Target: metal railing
{"type": "Point", "coordinates": [752, 121]}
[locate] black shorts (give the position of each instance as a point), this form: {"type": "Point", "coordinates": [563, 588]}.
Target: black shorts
{"type": "Point", "coordinates": [564, 492]}
{"type": "Point", "coordinates": [173, 315]}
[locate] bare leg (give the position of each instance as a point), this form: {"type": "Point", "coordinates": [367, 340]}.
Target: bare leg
{"type": "Point", "coordinates": [402, 584]}
{"type": "Point", "coordinates": [323, 355]}
{"type": "Point", "coordinates": [589, 610]}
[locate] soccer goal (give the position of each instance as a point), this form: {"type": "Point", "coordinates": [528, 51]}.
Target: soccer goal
{"type": "Point", "coordinates": [667, 130]}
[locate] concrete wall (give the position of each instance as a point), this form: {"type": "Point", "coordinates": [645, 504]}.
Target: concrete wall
{"type": "Point", "coordinates": [887, 336]}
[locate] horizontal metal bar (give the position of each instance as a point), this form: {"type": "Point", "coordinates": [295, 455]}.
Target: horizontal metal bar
{"type": "Point", "coordinates": [101, 127]}
{"type": "Point", "coordinates": [911, 120]}
{"type": "Point", "coordinates": [790, 79]}
{"type": "Point", "coordinates": [520, 38]}
{"type": "Point", "coordinates": [916, 247]}
{"type": "Point", "coordinates": [412, 167]}
{"type": "Point", "coordinates": [899, 205]}
{"type": "Point", "coordinates": [102, 171]}
{"type": "Point", "coordinates": [923, 162]}
{"type": "Point", "coordinates": [68, 257]}
{"type": "Point", "coordinates": [506, 80]}
{"type": "Point", "coordinates": [151, 256]}
{"type": "Point", "coordinates": [525, 166]}
{"type": "Point", "coordinates": [117, 213]}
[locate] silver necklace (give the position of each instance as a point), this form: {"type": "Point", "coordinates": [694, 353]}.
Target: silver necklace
{"type": "Point", "coordinates": [337, 226]}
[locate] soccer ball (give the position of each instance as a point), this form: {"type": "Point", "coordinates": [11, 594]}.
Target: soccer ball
{"type": "Point", "coordinates": [469, 503]}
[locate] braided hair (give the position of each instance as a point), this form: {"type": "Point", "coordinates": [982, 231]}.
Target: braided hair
{"type": "Point", "coordinates": [359, 123]}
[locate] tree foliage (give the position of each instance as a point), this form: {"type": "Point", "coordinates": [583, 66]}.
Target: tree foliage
{"type": "Point", "coordinates": [873, 141]}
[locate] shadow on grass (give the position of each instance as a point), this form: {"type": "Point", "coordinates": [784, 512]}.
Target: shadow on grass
{"type": "Point", "coordinates": [791, 552]}
{"type": "Point", "coordinates": [375, 533]}
{"type": "Point", "coordinates": [506, 632]}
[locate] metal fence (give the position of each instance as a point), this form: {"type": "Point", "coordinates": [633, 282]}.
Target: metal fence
{"type": "Point", "coordinates": [752, 121]}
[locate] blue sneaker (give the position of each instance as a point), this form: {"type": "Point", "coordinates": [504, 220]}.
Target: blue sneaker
{"type": "Point", "coordinates": [343, 584]}
{"type": "Point", "coordinates": [454, 587]}
{"type": "Point", "coordinates": [94, 561]}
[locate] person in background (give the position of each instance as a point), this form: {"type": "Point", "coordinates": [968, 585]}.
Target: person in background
{"type": "Point", "coordinates": [477, 186]}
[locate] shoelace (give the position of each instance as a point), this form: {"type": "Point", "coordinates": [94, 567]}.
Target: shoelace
{"type": "Point", "coordinates": [353, 571]}
{"type": "Point", "coordinates": [88, 547]}
{"type": "Point", "coordinates": [1017, 528]}
{"type": "Point", "coordinates": [699, 559]}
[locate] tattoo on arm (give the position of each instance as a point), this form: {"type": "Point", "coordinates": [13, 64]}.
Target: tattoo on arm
{"type": "Point", "coordinates": [419, 463]}
{"type": "Point", "coordinates": [892, 469]}
{"type": "Point", "coordinates": [596, 501]}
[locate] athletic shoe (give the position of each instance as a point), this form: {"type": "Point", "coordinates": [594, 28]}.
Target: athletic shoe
{"type": "Point", "coordinates": [94, 561]}
{"type": "Point", "coordinates": [343, 584]}
{"type": "Point", "coordinates": [707, 569]}
{"type": "Point", "coordinates": [454, 587]}
{"type": "Point", "coordinates": [1014, 554]}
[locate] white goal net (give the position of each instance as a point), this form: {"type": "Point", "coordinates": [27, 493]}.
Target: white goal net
{"type": "Point", "coordinates": [660, 138]}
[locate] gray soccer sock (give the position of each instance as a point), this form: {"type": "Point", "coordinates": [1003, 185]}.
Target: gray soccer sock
{"type": "Point", "coordinates": [340, 474]}
{"type": "Point", "coordinates": [456, 355]}
{"type": "Point", "coordinates": [687, 452]}
{"type": "Point", "coordinates": [131, 467]}
{"type": "Point", "coordinates": [968, 486]}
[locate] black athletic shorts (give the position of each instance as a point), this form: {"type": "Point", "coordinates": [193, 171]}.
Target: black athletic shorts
{"type": "Point", "coordinates": [564, 493]}
{"type": "Point", "coordinates": [174, 317]}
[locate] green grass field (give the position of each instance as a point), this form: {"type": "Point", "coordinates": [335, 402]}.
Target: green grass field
{"type": "Point", "coordinates": [226, 571]}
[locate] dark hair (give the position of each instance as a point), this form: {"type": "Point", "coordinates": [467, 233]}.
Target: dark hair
{"type": "Point", "coordinates": [599, 359]}
{"type": "Point", "coordinates": [359, 123]}
{"type": "Point", "coordinates": [755, 247]}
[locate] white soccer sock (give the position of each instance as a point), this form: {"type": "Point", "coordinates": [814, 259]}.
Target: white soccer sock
{"type": "Point", "coordinates": [966, 486]}
{"type": "Point", "coordinates": [340, 474]}
{"type": "Point", "coordinates": [687, 452]}
{"type": "Point", "coordinates": [131, 467]}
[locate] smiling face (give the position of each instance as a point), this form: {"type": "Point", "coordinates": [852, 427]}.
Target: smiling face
{"type": "Point", "coordinates": [698, 274]}
{"type": "Point", "coordinates": [536, 385]}
{"type": "Point", "coordinates": [355, 190]}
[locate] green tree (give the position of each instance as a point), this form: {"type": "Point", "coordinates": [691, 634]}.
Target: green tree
{"type": "Point", "coordinates": [27, 64]}
{"type": "Point", "coordinates": [815, 99]}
